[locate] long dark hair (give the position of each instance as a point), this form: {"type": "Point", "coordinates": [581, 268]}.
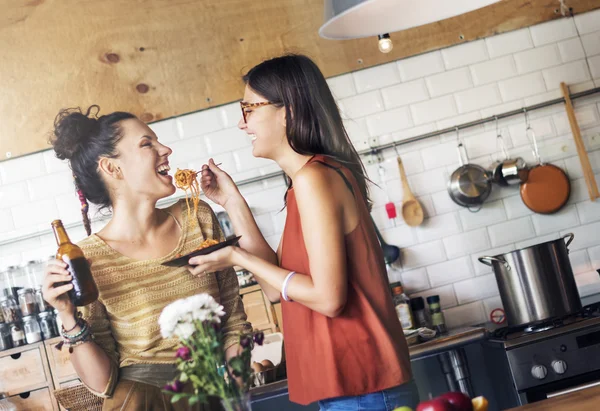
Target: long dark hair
{"type": "Point", "coordinates": [82, 138]}
{"type": "Point", "coordinates": [313, 121]}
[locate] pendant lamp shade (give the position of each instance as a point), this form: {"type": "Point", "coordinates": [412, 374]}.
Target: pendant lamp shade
{"type": "Point", "coordinates": [349, 19]}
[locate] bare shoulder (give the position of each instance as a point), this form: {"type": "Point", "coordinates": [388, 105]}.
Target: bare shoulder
{"type": "Point", "coordinates": [314, 176]}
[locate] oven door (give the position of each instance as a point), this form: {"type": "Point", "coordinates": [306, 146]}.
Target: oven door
{"type": "Point", "coordinates": [556, 389]}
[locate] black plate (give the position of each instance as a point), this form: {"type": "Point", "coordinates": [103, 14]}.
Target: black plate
{"type": "Point", "coordinates": [183, 260]}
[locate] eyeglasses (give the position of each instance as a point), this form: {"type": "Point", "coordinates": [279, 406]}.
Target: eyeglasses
{"type": "Point", "coordinates": [246, 105]}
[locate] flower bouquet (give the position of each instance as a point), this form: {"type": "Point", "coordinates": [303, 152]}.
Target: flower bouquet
{"type": "Point", "coordinates": [201, 358]}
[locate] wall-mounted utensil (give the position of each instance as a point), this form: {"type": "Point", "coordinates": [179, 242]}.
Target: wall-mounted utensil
{"type": "Point", "coordinates": [470, 185]}
{"type": "Point", "coordinates": [547, 188]}
{"type": "Point", "coordinates": [390, 207]}
{"type": "Point", "coordinates": [391, 253]}
{"type": "Point", "coordinates": [412, 211]}
{"type": "Point", "coordinates": [588, 173]}
{"type": "Point", "coordinates": [508, 171]}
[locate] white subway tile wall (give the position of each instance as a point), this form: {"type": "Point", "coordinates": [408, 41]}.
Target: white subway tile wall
{"type": "Point", "coordinates": [393, 102]}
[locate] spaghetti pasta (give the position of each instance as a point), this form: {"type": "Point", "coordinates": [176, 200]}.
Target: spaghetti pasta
{"type": "Point", "coordinates": [206, 243]}
{"type": "Point", "coordinates": [187, 180]}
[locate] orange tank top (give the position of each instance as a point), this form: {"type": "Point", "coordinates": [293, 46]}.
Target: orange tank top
{"type": "Point", "coordinates": [363, 350]}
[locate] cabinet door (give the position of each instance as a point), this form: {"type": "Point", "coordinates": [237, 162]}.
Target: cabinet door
{"type": "Point", "coordinates": [39, 400]}
{"type": "Point", "coordinates": [23, 372]}
{"type": "Point", "coordinates": [60, 363]}
{"type": "Point", "coordinates": [256, 309]}
{"type": "Point", "coordinates": [279, 315]}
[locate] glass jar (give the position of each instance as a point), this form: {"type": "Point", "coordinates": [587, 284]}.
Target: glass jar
{"type": "Point", "coordinates": [27, 302]}
{"type": "Point", "coordinates": [17, 334]}
{"type": "Point", "coordinates": [417, 304]}
{"type": "Point", "coordinates": [48, 325]}
{"type": "Point", "coordinates": [10, 309]}
{"type": "Point", "coordinates": [42, 305]}
{"type": "Point", "coordinates": [34, 271]}
{"type": "Point", "coordinates": [33, 333]}
{"type": "Point", "coordinates": [57, 321]}
{"type": "Point", "coordinates": [5, 340]}
{"type": "Point", "coordinates": [16, 280]}
{"type": "Point", "coordinates": [437, 316]}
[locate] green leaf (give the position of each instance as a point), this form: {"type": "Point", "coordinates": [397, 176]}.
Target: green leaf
{"type": "Point", "coordinates": [193, 400]}
{"type": "Point", "coordinates": [177, 397]}
{"type": "Point", "coordinates": [196, 380]}
{"type": "Point", "coordinates": [237, 364]}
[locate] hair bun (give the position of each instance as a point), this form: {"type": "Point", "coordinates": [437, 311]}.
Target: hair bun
{"type": "Point", "coordinates": [72, 128]}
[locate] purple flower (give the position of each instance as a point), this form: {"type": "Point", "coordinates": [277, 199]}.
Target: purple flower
{"type": "Point", "coordinates": [176, 386]}
{"type": "Point", "coordinates": [259, 337]}
{"type": "Point", "coordinates": [245, 341]}
{"type": "Point", "coordinates": [184, 353]}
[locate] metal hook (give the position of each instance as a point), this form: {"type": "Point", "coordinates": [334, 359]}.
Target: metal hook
{"type": "Point", "coordinates": [497, 127]}
{"type": "Point", "coordinates": [396, 150]}
{"type": "Point", "coordinates": [527, 124]}
{"type": "Point", "coordinates": [457, 135]}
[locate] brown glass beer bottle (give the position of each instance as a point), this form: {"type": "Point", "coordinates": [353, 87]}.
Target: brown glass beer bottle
{"type": "Point", "coordinates": [84, 289]}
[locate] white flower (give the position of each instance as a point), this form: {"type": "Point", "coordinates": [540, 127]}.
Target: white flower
{"type": "Point", "coordinates": [178, 317]}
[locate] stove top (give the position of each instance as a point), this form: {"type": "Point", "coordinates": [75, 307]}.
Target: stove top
{"type": "Point", "coordinates": [515, 336]}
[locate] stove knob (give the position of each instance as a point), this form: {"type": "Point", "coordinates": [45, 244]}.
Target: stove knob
{"type": "Point", "coordinates": [559, 366]}
{"type": "Point", "coordinates": [539, 372]}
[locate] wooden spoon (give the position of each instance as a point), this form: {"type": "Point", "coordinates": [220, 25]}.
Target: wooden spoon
{"type": "Point", "coordinates": [412, 212]}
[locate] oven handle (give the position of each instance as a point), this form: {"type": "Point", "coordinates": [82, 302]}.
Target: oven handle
{"type": "Point", "coordinates": [573, 389]}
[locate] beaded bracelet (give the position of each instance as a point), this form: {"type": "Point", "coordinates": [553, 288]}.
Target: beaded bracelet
{"type": "Point", "coordinates": [78, 320]}
{"type": "Point", "coordinates": [84, 327]}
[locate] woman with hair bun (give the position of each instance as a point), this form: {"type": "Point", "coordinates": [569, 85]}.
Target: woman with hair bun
{"type": "Point", "coordinates": [119, 163]}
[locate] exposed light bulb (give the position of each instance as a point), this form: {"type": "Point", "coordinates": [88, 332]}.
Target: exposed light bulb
{"type": "Point", "coordinates": [385, 43]}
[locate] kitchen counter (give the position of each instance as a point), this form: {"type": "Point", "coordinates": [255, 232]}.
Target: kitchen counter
{"type": "Point", "coordinates": [584, 400]}
{"type": "Point", "coordinates": [453, 339]}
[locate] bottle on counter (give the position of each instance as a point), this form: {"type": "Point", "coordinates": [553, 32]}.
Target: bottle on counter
{"type": "Point", "coordinates": [17, 334]}
{"type": "Point", "coordinates": [27, 302]}
{"type": "Point", "coordinates": [417, 305]}
{"type": "Point", "coordinates": [47, 325]}
{"type": "Point", "coordinates": [84, 289]}
{"type": "Point", "coordinates": [5, 339]}
{"type": "Point", "coordinates": [402, 305]}
{"type": "Point", "coordinates": [437, 316]}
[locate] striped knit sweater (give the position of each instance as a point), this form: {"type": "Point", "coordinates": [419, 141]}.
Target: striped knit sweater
{"type": "Point", "coordinates": [133, 293]}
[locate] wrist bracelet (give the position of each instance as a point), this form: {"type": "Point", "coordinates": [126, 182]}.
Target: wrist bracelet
{"type": "Point", "coordinates": [285, 285]}
{"type": "Point", "coordinates": [78, 318]}
{"type": "Point", "coordinates": [84, 328]}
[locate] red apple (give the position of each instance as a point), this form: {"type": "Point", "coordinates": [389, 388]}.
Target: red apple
{"type": "Point", "coordinates": [461, 401]}
{"type": "Point", "coordinates": [437, 404]}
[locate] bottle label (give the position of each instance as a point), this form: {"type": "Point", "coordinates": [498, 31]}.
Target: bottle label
{"type": "Point", "coordinates": [403, 312]}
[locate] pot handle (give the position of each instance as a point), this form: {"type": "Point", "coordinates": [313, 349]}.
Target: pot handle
{"type": "Point", "coordinates": [488, 261]}
{"type": "Point", "coordinates": [475, 210]}
{"type": "Point", "coordinates": [570, 237]}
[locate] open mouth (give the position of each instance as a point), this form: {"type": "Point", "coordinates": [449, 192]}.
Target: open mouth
{"type": "Point", "coordinates": [163, 170]}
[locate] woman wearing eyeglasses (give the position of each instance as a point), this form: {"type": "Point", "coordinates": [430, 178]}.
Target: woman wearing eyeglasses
{"type": "Point", "coordinates": [344, 343]}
